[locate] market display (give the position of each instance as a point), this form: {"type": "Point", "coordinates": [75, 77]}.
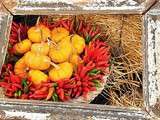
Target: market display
{"type": "Point", "coordinates": [57, 61]}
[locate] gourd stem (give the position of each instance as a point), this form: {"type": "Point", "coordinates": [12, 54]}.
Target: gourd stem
{"type": "Point", "coordinates": [38, 19]}
{"type": "Point", "coordinates": [52, 42]}
{"type": "Point", "coordinates": [54, 65]}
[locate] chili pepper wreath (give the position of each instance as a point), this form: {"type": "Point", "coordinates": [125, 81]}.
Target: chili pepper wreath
{"type": "Point", "coordinates": [64, 60]}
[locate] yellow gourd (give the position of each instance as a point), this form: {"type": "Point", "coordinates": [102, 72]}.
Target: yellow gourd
{"type": "Point", "coordinates": [63, 71]}
{"type": "Point", "coordinates": [37, 61]}
{"type": "Point", "coordinates": [61, 52]}
{"type": "Point", "coordinates": [75, 60]}
{"type": "Point", "coordinates": [39, 33]}
{"type": "Point", "coordinates": [78, 43]}
{"type": "Point", "coordinates": [40, 48]}
{"type": "Point", "coordinates": [57, 34]}
{"type": "Point", "coordinates": [37, 76]}
{"type": "Point", "coordinates": [21, 68]}
{"type": "Point", "coordinates": [23, 46]}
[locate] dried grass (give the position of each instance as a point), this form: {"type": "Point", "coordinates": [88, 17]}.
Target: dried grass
{"type": "Point", "coordinates": [127, 61]}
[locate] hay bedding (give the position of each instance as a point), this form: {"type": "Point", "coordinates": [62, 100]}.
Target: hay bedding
{"type": "Point", "coordinates": [124, 85]}
{"type": "Point", "coordinates": [127, 68]}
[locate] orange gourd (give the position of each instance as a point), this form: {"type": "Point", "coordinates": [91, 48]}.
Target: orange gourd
{"type": "Point", "coordinates": [61, 72]}
{"type": "Point", "coordinates": [21, 68]}
{"type": "Point", "coordinates": [37, 76]}
{"type": "Point", "coordinates": [39, 33]}
{"type": "Point", "coordinates": [40, 48]}
{"type": "Point", "coordinates": [61, 52]}
{"type": "Point", "coordinates": [78, 43]}
{"type": "Point", "coordinates": [37, 61]}
{"type": "Point", "coordinates": [75, 60]}
{"type": "Point", "coordinates": [57, 34]}
{"type": "Point", "coordinates": [23, 46]}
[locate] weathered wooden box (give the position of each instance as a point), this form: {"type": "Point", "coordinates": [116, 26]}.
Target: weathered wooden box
{"type": "Point", "coordinates": [120, 11]}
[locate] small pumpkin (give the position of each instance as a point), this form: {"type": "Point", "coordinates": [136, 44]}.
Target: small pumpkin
{"type": "Point", "coordinates": [78, 43]}
{"type": "Point", "coordinates": [39, 33]}
{"type": "Point", "coordinates": [40, 48]}
{"type": "Point", "coordinates": [22, 47]}
{"type": "Point", "coordinates": [63, 71]}
{"type": "Point", "coordinates": [21, 68]}
{"type": "Point", "coordinates": [61, 52]}
{"type": "Point", "coordinates": [37, 61]}
{"type": "Point", "coordinates": [37, 76]}
{"type": "Point", "coordinates": [57, 34]}
{"type": "Point", "coordinates": [75, 60]}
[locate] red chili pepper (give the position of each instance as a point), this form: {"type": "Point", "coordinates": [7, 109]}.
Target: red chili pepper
{"type": "Point", "coordinates": [15, 25]}
{"type": "Point", "coordinates": [71, 26]}
{"type": "Point", "coordinates": [4, 84]}
{"type": "Point", "coordinates": [9, 66]}
{"type": "Point", "coordinates": [47, 85]}
{"type": "Point", "coordinates": [85, 89]}
{"type": "Point", "coordinates": [52, 26]}
{"type": "Point", "coordinates": [85, 32]}
{"type": "Point", "coordinates": [29, 79]}
{"type": "Point", "coordinates": [104, 57]}
{"type": "Point", "coordinates": [65, 24]}
{"type": "Point", "coordinates": [67, 81]}
{"type": "Point", "coordinates": [92, 89]}
{"type": "Point", "coordinates": [85, 79]}
{"type": "Point", "coordinates": [38, 96]}
{"type": "Point", "coordinates": [41, 90]}
{"type": "Point", "coordinates": [68, 91]}
{"type": "Point", "coordinates": [78, 83]}
{"type": "Point", "coordinates": [90, 32]}
{"type": "Point", "coordinates": [88, 27]}
{"type": "Point", "coordinates": [84, 84]}
{"type": "Point", "coordinates": [90, 84]}
{"type": "Point", "coordinates": [90, 65]}
{"type": "Point", "coordinates": [74, 91]}
{"type": "Point", "coordinates": [50, 93]}
{"type": "Point", "coordinates": [102, 63]}
{"type": "Point", "coordinates": [61, 94]}
{"type": "Point", "coordinates": [80, 26]}
{"type": "Point", "coordinates": [66, 98]}
{"type": "Point", "coordinates": [15, 79]}
{"type": "Point", "coordinates": [24, 96]}
{"type": "Point", "coordinates": [7, 87]}
{"type": "Point", "coordinates": [17, 85]}
{"type": "Point", "coordinates": [38, 86]}
{"type": "Point", "coordinates": [78, 92]}
{"type": "Point", "coordinates": [68, 86]}
{"type": "Point", "coordinates": [99, 76]}
{"type": "Point", "coordinates": [32, 89]}
{"type": "Point", "coordinates": [7, 79]}
{"type": "Point", "coordinates": [102, 50]}
{"type": "Point", "coordinates": [68, 23]}
{"type": "Point", "coordinates": [9, 94]}
{"type": "Point", "coordinates": [60, 83]}
{"type": "Point", "coordinates": [83, 72]}
{"type": "Point", "coordinates": [96, 32]}
{"type": "Point", "coordinates": [14, 88]}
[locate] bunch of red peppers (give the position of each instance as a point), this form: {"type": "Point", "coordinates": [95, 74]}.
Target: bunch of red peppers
{"type": "Point", "coordinates": [88, 76]}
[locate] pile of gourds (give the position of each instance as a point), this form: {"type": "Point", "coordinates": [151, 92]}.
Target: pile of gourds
{"type": "Point", "coordinates": [48, 54]}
